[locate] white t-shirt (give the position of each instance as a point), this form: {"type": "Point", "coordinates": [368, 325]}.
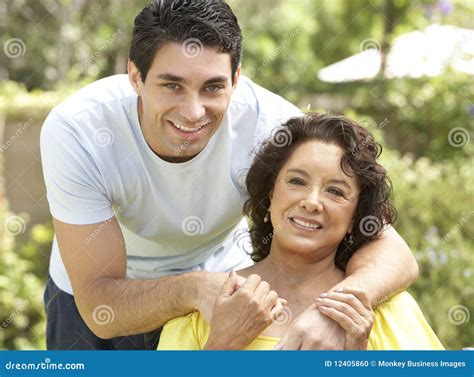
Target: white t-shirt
{"type": "Point", "coordinates": [175, 217]}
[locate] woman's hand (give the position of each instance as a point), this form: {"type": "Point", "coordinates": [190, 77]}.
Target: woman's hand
{"type": "Point", "coordinates": [242, 312]}
{"type": "Point", "coordinates": [351, 309]}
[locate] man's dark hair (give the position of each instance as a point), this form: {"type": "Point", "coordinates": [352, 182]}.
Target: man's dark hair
{"type": "Point", "coordinates": [374, 208]}
{"type": "Point", "coordinates": [203, 22]}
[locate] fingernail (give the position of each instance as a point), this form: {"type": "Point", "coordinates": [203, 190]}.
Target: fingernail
{"type": "Point", "coordinates": [339, 289]}
{"type": "Point", "coordinates": [323, 307]}
{"type": "Point", "coordinates": [323, 295]}
{"type": "Point", "coordinates": [319, 299]}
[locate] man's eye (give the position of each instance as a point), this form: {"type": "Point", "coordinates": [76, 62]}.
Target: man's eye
{"type": "Point", "coordinates": [297, 181]}
{"type": "Point", "coordinates": [336, 191]}
{"type": "Point", "coordinates": [171, 86]}
{"type": "Point", "coordinates": [213, 88]}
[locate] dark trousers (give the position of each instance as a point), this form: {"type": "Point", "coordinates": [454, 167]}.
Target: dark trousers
{"type": "Point", "coordinates": [66, 330]}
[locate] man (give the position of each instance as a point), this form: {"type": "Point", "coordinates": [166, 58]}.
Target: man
{"type": "Point", "coordinates": [144, 181]}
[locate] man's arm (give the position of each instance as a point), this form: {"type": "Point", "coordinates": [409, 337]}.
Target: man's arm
{"type": "Point", "coordinates": [111, 305]}
{"type": "Point", "coordinates": [381, 269]}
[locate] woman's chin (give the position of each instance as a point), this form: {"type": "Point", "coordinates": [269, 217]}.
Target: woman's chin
{"type": "Point", "coordinates": [310, 249]}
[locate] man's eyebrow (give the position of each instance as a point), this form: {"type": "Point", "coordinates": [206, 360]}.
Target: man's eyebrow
{"type": "Point", "coordinates": [170, 77]}
{"type": "Point", "coordinates": [174, 78]}
{"type": "Point", "coordinates": [216, 80]}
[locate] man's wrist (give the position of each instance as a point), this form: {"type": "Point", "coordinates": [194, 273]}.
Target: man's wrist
{"type": "Point", "coordinates": [220, 345]}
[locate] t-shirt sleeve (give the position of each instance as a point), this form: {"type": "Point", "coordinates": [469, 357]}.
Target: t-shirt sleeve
{"type": "Point", "coordinates": [273, 112]}
{"type": "Point", "coordinates": [400, 325]}
{"type": "Point", "coordinates": [74, 184]}
{"type": "Point", "coordinates": [184, 333]}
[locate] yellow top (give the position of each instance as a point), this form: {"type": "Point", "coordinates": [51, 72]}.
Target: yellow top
{"type": "Point", "coordinates": [399, 325]}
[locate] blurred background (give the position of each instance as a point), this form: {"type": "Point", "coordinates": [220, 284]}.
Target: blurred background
{"type": "Point", "coordinates": [403, 68]}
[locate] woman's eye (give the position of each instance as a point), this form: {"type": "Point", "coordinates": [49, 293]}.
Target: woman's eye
{"type": "Point", "coordinates": [336, 191]}
{"type": "Point", "coordinates": [297, 181]}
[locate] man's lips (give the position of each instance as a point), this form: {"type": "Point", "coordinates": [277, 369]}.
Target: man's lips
{"type": "Point", "coordinates": [189, 130]}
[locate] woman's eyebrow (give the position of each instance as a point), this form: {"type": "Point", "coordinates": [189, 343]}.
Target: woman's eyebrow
{"type": "Point", "coordinates": [299, 171]}
{"type": "Point", "coordinates": [341, 182]}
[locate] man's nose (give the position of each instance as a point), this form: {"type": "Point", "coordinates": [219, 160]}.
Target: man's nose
{"type": "Point", "coordinates": [192, 109]}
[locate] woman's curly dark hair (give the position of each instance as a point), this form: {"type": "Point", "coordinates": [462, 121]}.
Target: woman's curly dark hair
{"type": "Point", "coordinates": [374, 209]}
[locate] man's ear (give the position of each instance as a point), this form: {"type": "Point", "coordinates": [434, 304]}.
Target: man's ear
{"type": "Point", "coordinates": [235, 79]}
{"type": "Point", "coordinates": [135, 77]}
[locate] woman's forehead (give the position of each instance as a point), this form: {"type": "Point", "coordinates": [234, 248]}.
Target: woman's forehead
{"type": "Point", "coordinates": [317, 158]}
{"type": "Point", "coordinates": [317, 153]}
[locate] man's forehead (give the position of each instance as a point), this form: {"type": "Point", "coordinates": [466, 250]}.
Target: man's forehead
{"type": "Point", "coordinates": [172, 62]}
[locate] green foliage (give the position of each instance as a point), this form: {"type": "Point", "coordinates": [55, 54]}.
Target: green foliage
{"type": "Point", "coordinates": [23, 268]}
{"type": "Point", "coordinates": [435, 217]}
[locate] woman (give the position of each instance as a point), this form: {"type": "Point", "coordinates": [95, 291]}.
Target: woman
{"type": "Point", "coordinates": [313, 201]}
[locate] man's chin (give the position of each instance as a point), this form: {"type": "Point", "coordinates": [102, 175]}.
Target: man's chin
{"type": "Point", "coordinates": [182, 155]}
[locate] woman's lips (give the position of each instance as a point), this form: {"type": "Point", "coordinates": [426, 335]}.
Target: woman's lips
{"type": "Point", "coordinates": [307, 225]}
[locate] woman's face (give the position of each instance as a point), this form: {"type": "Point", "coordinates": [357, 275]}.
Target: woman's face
{"type": "Point", "coordinates": [313, 201]}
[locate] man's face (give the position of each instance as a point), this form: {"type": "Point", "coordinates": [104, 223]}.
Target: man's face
{"type": "Point", "coordinates": [183, 99]}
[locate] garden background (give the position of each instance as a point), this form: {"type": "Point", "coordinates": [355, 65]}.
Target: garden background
{"type": "Point", "coordinates": [410, 80]}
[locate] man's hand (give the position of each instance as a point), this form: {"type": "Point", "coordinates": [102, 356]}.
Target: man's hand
{"type": "Point", "coordinates": [313, 331]}
{"type": "Point", "coordinates": [209, 290]}
{"type": "Point", "coordinates": [241, 313]}
{"type": "Point", "coordinates": [352, 310]}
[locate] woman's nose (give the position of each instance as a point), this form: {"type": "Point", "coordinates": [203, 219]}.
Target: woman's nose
{"type": "Point", "coordinates": [312, 201]}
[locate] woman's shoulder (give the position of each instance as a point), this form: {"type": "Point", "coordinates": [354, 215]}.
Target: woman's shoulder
{"type": "Point", "coordinates": [398, 301]}
{"type": "Point", "coordinates": [400, 324]}
{"type": "Point", "coordinates": [187, 332]}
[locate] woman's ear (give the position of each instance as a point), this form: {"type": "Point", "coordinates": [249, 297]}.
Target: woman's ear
{"type": "Point", "coordinates": [349, 230]}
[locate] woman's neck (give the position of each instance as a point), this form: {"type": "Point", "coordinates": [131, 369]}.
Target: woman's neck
{"type": "Point", "coordinates": [297, 276]}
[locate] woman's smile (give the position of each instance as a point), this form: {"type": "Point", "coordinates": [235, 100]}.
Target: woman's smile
{"type": "Point", "coordinates": [305, 224]}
